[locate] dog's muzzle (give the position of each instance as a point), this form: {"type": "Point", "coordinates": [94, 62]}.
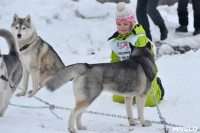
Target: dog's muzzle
{"type": "Point", "coordinates": [19, 35]}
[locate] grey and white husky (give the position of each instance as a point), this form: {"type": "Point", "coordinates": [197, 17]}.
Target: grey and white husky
{"type": "Point", "coordinates": [11, 68]}
{"type": "Point", "coordinates": [37, 57]}
{"type": "Point", "coordinates": [128, 78]}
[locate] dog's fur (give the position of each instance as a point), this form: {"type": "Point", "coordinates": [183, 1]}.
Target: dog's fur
{"type": "Point", "coordinates": [39, 59]}
{"type": "Point", "coordinates": [128, 78]}
{"type": "Point", "coordinates": [11, 68]}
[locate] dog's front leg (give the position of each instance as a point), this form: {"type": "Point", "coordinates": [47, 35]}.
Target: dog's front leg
{"type": "Point", "coordinates": [3, 111]}
{"type": "Point", "coordinates": [128, 101]}
{"type": "Point", "coordinates": [35, 82]}
{"type": "Point", "coordinates": [6, 103]}
{"type": "Point", "coordinates": [140, 99]}
{"type": "Point", "coordinates": [3, 107]}
{"type": "Point", "coordinates": [25, 79]}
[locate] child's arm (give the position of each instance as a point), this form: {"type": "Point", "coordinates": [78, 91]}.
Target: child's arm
{"type": "Point", "coordinates": [114, 57]}
{"type": "Point", "coordinates": [142, 40]}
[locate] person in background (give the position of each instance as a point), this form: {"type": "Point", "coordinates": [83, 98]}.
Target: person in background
{"type": "Point", "coordinates": [130, 34]}
{"type": "Point", "coordinates": [149, 7]}
{"type": "Point", "coordinates": [183, 16]}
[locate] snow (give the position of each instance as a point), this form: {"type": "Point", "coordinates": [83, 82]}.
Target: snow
{"type": "Point", "coordinates": [78, 32]}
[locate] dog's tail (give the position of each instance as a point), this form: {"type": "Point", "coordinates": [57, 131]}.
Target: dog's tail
{"type": "Point", "coordinates": [65, 75]}
{"type": "Point", "coordinates": [10, 40]}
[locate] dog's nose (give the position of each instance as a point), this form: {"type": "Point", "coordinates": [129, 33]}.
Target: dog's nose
{"type": "Point", "coordinates": [19, 35]}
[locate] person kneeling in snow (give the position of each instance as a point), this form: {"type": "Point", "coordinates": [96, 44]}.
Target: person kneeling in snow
{"type": "Point", "coordinates": [121, 43]}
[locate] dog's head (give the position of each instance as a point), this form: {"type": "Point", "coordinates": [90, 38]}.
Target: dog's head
{"type": "Point", "coordinates": [140, 51]}
{"type": "Point", "coordinates": [22, 28]}
{"type": "Point", "coordinates": [143, 52]}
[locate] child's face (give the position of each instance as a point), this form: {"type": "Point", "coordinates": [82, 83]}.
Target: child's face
{"type": "Point", "coordinates": [123, 27]}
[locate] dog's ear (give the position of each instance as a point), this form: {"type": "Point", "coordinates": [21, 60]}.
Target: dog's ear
{"type": "Point", "coordinates": [15, 17]}
{"type": "Point", "coordinates": [148, 45]}
{"type": "Point", "coordinates": [28, 18]}
{"type": "Point", "coordinates": [131, 46]}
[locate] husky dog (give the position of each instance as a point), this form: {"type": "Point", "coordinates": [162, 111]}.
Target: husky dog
{"type": "Point", "coordinates": [38, 58]}
{"type": "Point", "coordinates": [128, 78]}
{"type": "Point", "coordinates": [11, 68]}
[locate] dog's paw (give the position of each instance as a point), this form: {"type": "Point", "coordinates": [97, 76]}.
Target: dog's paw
{"type": "Point", "coordinates": [82, 128]}
{"type": "Point", "coordinates": [20, 94]}
{"type": "Point", "coordinates": [71, 130]}
{"type": "Point", "coordinates": [145, 124]}
{"type": "Point", "coordinates": [1, 114]}
{"type": "Point", "coordinates": [133, 123]}
{"type": "Point", "coordinates": [30, 94]}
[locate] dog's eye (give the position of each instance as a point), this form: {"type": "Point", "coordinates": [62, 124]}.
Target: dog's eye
{"type": "Point", "coordinates": [16, 27]}
{"type": "Point", "coordinates": [24, 28]}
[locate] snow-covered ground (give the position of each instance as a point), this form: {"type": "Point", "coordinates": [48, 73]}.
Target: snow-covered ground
{"type": "Point", "coordinates": [78, 32]}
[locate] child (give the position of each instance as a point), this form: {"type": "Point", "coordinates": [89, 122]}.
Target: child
{"type": "Point", "coordinates": [129, 33]}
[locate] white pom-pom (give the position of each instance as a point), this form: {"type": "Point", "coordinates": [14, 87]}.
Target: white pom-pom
{"type": "Point", "coordinates": [120, 6]}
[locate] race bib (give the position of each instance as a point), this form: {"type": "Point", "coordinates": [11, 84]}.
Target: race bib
{"type": "Point", "coordinates": [123, 50]}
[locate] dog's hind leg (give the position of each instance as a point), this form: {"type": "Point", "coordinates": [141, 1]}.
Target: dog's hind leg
{"type": "Point", "coordinates": [78, 122]}
{"type": "Point", "coordinates": [128, 101]}
{"type": "Point", "coordinates": [25, 79]}
{"type": "Point", "coordinates": [76, 113]}
{"type": "Point", "coordinates": [42, 83]}
{"type": "Point", "coordinates": [140, 99]}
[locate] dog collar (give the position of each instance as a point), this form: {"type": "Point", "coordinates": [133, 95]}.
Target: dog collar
{"type": "Point", "coordinates": [3, 77]}
{"type": "Point", "coordinates": [24, 47]}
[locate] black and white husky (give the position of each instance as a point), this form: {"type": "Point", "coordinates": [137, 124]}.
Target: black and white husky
{"type": "Point", "coordinates": [128, 78]}
{"type": "Point", "coordinates": [11, 68]}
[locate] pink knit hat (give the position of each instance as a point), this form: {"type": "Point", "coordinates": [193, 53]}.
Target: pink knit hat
{"type": "Point", "coordinates": [124, 14]}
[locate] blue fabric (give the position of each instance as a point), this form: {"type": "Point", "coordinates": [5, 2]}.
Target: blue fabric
{"type": "Point", "coordinates": [183, 13]}
{"type": "Point", "coordinates": [149, 7]}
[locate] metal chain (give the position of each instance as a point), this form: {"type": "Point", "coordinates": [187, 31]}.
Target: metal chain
{"type": "Point", "coordinates": [162, 119]}
{"type": "Point", "coordinates": [30, 107]}
{"type": "Point", "coordinates": [51, 107]}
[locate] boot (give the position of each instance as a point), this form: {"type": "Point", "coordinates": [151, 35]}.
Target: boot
{"type": "Point", "coordinates": [182, 28]}
{"type": "Point", "coordinates": [163, 32]}
{"type": "Point", "coordinates": [183, 17]}
{"type": "Point", "coordinates": [183, 21]}
{"type": "Point", "coordinates": [196, 25]}
{"type": "Point", "coordinates": [197, 31]}
{"type": "Point", "coordinates": [161, 87]}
